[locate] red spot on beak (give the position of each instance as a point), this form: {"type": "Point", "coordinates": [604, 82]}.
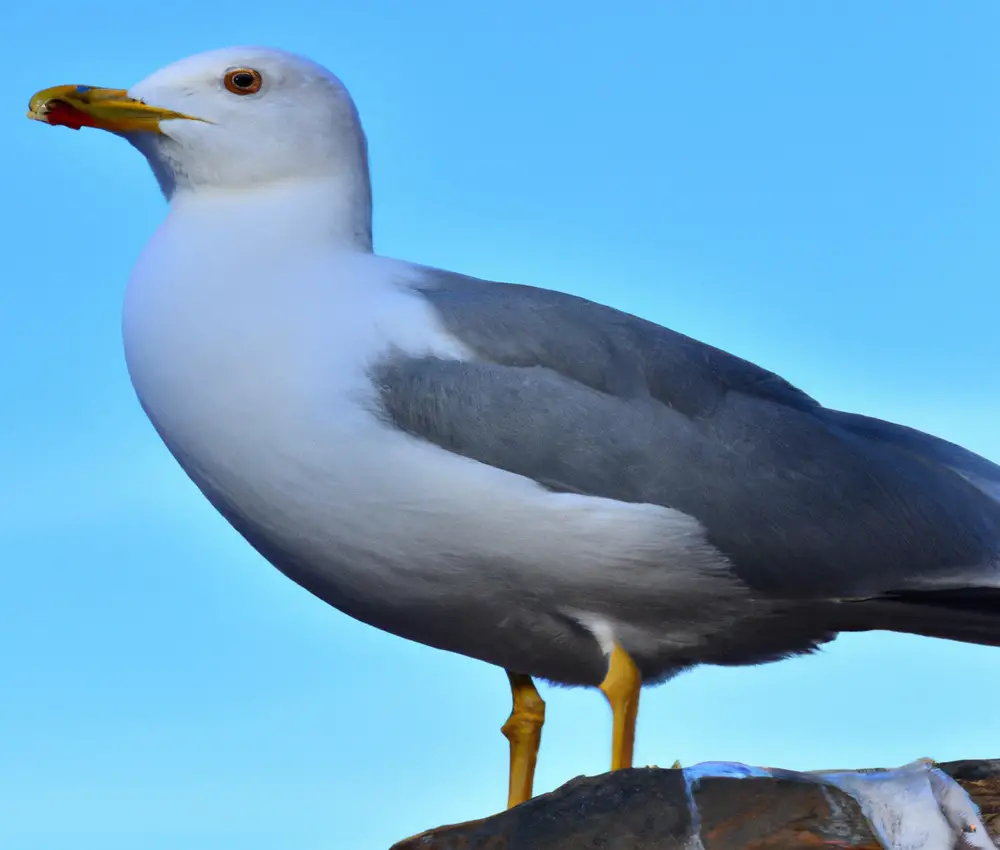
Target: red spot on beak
{"type": "Point", "coordinates": [61, 114]}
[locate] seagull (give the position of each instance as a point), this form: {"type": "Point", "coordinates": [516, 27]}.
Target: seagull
{"type": "Point", "coordinates": [525, 477]}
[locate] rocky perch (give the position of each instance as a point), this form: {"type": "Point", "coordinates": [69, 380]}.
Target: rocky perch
{"type": "Point", "coordinates": [722, 806]}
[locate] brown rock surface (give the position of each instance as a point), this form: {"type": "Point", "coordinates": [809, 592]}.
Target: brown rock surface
{"type": "Point", "coordinates": [649, 809]}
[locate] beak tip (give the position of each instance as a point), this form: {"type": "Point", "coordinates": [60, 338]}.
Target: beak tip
{"type": "Point", "coordinates": [58, 112]}
{"type": "Point", "coordinates": [38, 112]}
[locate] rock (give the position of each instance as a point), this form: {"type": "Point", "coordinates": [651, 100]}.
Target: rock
{"type": "Point", "coordinates": [657, 809]}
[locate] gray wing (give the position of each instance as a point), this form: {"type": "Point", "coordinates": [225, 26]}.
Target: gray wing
{"type": "Point", "coordinates": [805, 502]}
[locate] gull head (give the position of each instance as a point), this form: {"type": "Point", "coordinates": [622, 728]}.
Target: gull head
{"type": "Point", "coordinates": [227, 120]}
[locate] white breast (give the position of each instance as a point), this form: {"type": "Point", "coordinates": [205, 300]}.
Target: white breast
{"type": "Point", "coordinates": [251, 358]}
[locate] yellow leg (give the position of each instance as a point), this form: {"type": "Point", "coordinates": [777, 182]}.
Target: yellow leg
{"type": "Point", "coordinates": [524, 731]}
{"type": "Point", "coordinates": [621, 687]}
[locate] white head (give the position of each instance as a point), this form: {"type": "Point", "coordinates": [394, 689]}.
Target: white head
{"type": "Point", "coordinates": [232, 120]}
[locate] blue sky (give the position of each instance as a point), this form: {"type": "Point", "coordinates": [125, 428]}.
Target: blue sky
{"type": "Point", "coordinates": [814, 186]}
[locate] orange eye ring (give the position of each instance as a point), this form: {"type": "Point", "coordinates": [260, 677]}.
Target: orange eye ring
{"type": "Point", "coordinates": [243, 81]}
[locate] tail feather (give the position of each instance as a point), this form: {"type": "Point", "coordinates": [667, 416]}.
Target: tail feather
{"type": "Point", "coordinates": [970, 615]}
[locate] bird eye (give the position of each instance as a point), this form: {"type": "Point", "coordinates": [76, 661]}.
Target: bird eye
{"type": "Point", "coordinates": [243, 81]}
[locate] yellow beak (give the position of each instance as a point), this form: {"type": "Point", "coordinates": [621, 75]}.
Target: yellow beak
{"type": "Point", "coordinates": [106, 109]}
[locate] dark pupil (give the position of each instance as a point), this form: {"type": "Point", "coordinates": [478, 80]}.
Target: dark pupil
{"type": "Point", "coordinates": [243, 80]}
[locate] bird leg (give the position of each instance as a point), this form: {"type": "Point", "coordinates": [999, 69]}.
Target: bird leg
{"type": "Point", "coordinates": [621, 687]}
{"type": "Point", "coordinates": [524, 731]}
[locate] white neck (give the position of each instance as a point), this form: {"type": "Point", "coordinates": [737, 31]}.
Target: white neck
{"type": "Point", "coordinates": [317, 211]}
